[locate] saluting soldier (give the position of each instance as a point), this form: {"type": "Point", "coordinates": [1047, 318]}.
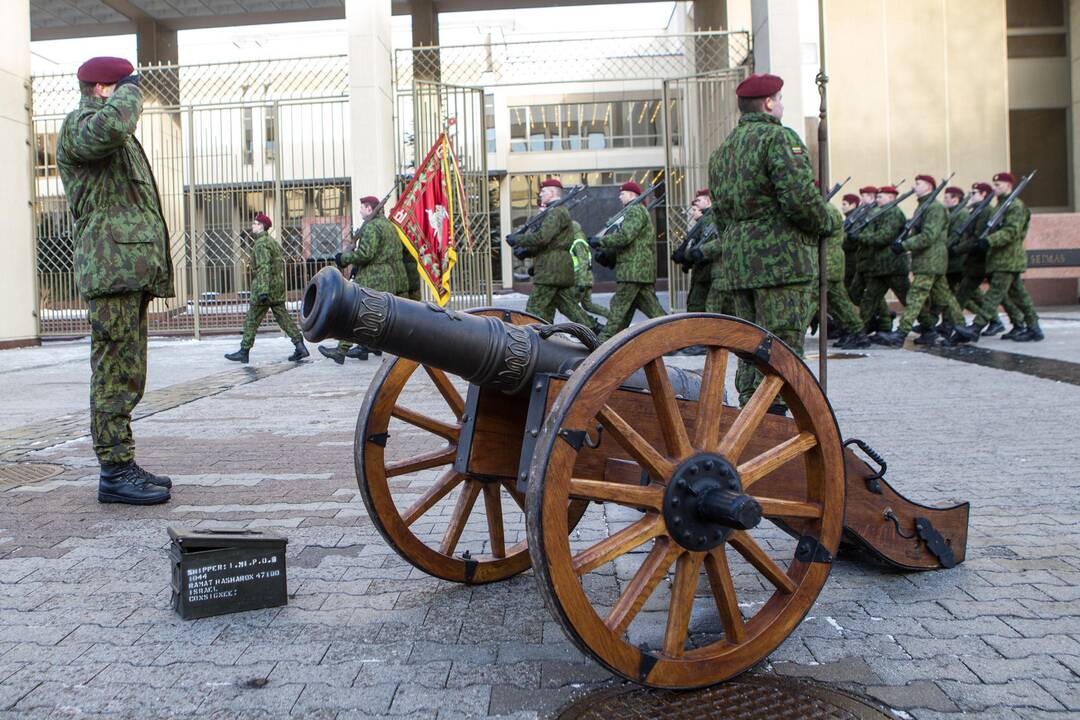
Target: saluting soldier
{"type": "Point", "coordinates": [1005, 260]}
{"type": "Point", "coordinates": [122, 260]}
{"type": "Point", "coordinates": [770, 216]}
{"type": "Point", "coordinates": [884, 270]}
{"type": "Point", "coordinates": [697, 299]}
{"type": "Point", "coordinates": [267, 293]}
{"type": "Point", "coordinates": [553, 280]}
{"type": "Point", "coordinates": [581, 257]}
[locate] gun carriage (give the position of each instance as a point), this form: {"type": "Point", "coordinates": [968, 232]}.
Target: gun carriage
{"type": "Point", "coordinates": [618, 477]}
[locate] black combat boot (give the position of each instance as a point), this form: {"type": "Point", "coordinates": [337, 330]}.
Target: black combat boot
{"type": "Point", "coordinates": [333, 353]}
{"type": "Point", "coordinates": [1033, 334]}
{"type": "Point", "coordinates": [892, 339]}
{"type": "Point", "coordinates": [920, 329]}
{"type": "Point", "coordinates": [300, 353]}
{"type": "Point", "coordinates": [993, 328]}
{"type": "Point", "coordinates": [1016, 330]}
{"type": "Point", "coordinates": [129, 484]}
{"type": "Point", "coordinates": [965, 333]}
{"type": "Point", "coordinates": [240, 356]}
{"type": "Point", "coordinates": [943, 329]}
{"type": "Point", "coordinates": [160, 480]}
{"type": "Point", "coordinates": [928, 338]}
{"type": "Point", "coordinates": [357, 352]}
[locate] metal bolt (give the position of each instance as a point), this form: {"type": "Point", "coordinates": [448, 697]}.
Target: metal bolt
{"type": "Point", "coordinates": [693, 470]}
{"type": "Point", "coordinates": [681, 484]}
{"type": "Point", "coordinates": [534, 432]}
{"type": "Point", "coordinates": [718, 535]}
{"type": "Point", "coordinates": [732, 484]}
{"type": "Point", "coordinates": [674, 501]}
{"type": "Point", "coordinates": [464, 418]}
{"type": "Point", "coordinates": [677, 520]}
{"type": "Point", "coordinates": [524, 476]}
{"type": "Point", "coordinates": [702, 540]}
{"type": "Point", "coordinates": [538, 387]}
{"type": "Point", "coordinates": [708, 465]}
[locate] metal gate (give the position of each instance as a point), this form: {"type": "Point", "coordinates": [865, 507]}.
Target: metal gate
{"type": "Point", "coordinates": [700, 112]}
{"type": "Point", "coordinates": [423, 112]}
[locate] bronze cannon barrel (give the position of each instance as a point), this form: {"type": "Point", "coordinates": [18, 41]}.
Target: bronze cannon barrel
{"type": "Point", "coordinates": [482, 350]}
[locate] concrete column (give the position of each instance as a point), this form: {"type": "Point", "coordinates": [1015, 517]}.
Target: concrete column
{"type": "Point", "coordinates": [777, 51]}
{"type": "Point", "coordinates": [156, 45]}
{"type": "Point", "coordinates": [427, 64]}
{"type": "Point", "coordinates": [712, 52]}
{"type": "Point", "coordinates": [1074, 99]}
{"type": "Point", "coordinates": [18, 274]}
{"type": "Point", "coordinates": [371, 98]}
{"type": "Point", "coordinates": [710, 15]}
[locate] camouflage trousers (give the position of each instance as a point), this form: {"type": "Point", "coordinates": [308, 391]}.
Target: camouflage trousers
{"type": "Point", "coordinates": [857, 291]}
{"type": "Point", "coordinates": [544, 300]}
{"type": "Point", "coordinates": [631, 296]}
{"type": "Point", "coordinates": [698, 297]}
{"type": "Point", "coordinates": [584, 295]}
{"type": "Point", "coordinates": [839, 307]}
{"type": "Point", "coordinates": [117, 371]}
{"type": "Point", "coordinates": [257, 311]}
{"type": "Point", "coordinates": [1007, 286]}
{"type": "Point", "coordinates": [873, 300]}
{"type": "Point", "coordinates": [929, 291]}
{"type": "Point", "coordinates": [719, 301]}
{"type": "Point", "coordinates": [785, 312]}
{"type": "Point", "coordinates": [970, 296]}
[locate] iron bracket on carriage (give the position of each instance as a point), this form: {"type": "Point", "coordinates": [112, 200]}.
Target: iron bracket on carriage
{"type": "Point", "coordinates": [684, 479]}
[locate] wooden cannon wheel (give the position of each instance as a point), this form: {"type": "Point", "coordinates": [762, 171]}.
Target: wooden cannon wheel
{"type": "Point", "coordinates": [616, 622]}
{"type": "Point", "coordinates": [437, 549]}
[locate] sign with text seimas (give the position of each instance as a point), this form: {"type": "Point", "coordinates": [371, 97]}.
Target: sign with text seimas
{"type": "Point", "coordinates": [222, 571]}
{"type": "Point", "coordinates": [1063, 257]}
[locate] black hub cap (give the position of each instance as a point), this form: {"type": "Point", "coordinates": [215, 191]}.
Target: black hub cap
{"type": "Point", "coordinates": [704, 503]}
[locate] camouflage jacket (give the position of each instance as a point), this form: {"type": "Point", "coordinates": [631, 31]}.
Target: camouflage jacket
{"type": "Point", "coordinates": [377, 257]}
{"type": "Point", "coordinates": [412, 272]}
{"type": "Point", "coordinates": [1006, 252]}
{"type": "Point", "coordinates": [121, 240]}
{"type": "Point", "coordinates": [765, 205]}
{"type": "Point", "coordinates": [927, 244]}
{"type": "Point", "coordinates": [957, 217]}
{"type": "Point", "coordinates": [702, 273]}
{"type": "Point", "coordinates": [974, 256]}
{"type": "Point", "coordinates": [581, 257]}
{"type": "Point", "coordinates": [877, 238]}
{"type": "Point", "coordinates": [551, 244]}
{"type": "Point", "coordinates": [267, 269]}
{"type": "Point", "coordinates": [834, 248]}
{"type": "Point", "coordinates": [634, 247]}
{"type": "Point", "coordinates": [855, 251]}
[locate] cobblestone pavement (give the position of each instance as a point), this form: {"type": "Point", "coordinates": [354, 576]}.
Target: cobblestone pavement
{"type": "Point", "coordinates": [86, 629]}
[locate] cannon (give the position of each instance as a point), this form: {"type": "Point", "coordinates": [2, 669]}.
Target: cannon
{"type": "Point", "coordinates": [632, 489]}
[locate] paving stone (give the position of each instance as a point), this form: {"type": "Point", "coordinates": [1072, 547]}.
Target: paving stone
{"type": "Point", "coordinates": [469, 700]}
{"type": "Point", "coordinates": [1024, 647]}
{"type": "Point", "coordinates": [374, 699]}
{"type": "Point", "coordinates": [848, 670]}
{"type": "Point", "coordinates": [1022, 693]}
{"type": "Point", "coordinates": [921, 694]}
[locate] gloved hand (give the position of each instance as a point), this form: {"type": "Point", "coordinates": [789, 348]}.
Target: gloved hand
{"type": "Point", "coordinates": [532, 270]}
{"type": "Point", "coordinates": [511, 240]}
{"type": "Point", "coordinates": [695, 255]}
{"type": "Point", "coordinates": [337, 260]}
{"type": "Point", "coordinates": [521, 253]}
{"type": "Point", "coordinates": [129, 80]}
{"type": "Point", "coordinates": [983, 244]}
{"type": "Point", "coordinates": [594, 243]}
{"type": "Point", "coordinates": [264, 299]}
{"type": "Point", "coordinates": [897, 247]}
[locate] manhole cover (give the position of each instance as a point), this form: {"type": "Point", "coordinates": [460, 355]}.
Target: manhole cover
{"type": "Point", "coordinates": [25, 473]}
{"type": "Point", "coordinates": [748, 698]}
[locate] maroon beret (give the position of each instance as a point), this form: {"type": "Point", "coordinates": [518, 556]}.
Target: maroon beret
{"type": "Point", "coordinates": [262, 218]}
{"type": "Point", "coordinates": [631, 186]}
{"type": "Point", "coordinates": [759, 85]}
{"type": "Point", "coordinates": [929, 179]}
{"type": "Point", "coordinates": [868, 190]}
{"type": "Point", "coordinates": [369, 200]}
{"type": "Point", "coordinates": [1005, 177]}
{"type": "Point", "coordinates": [551, 182]}
{"type": "Point", "coordinates": [954, 191]}
{"type": "Point", "coordinates": [887, 190]}
{"type": "Point", "coordinates": [703, 192]}
{"type": "Point", "coordinates": [982, 187]}
{"type": "Point", "coordinates": [851, 199]}
{"type": "Point", "coordinates": [104, 70]}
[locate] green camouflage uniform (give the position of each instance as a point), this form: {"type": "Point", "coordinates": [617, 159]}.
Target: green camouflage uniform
{"type": "Point", "coordinates": [412, 286]}
{"type": "Point", "coordinates": [882, 269]}
{"type": "Point", "coordinates": [955, 272]}
{"type": "Point", "coordinates": [863, 260]}
{"type": "Point", "coordinates": [634, 248]}
{"type": "Point", "coordinates": [267, 278]}
{"type": "Point", "coordinates": [697, 299]}
{"type": "Point", "coordinates": [1005, 260]}
{"type": "Point", "coordinates": [770, 216]}
{"type": "Point", "coordinates": [718, 299]}
{"type": "Point", "coordinates": [969, 291]}
{"type": "Point", "coordinates": [553, 282]}
{"type": "Point", "coordinates": [376, 260]}
{"type": "Point", "coordinates": [581, 256]}
{"type": "Point", "coordinates": [122, 255]}
{"type": "Point", "coordinates": [929, 261]}
{"type": "Point", "coordinates": [840, 307]}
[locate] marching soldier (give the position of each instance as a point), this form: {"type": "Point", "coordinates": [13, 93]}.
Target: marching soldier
{"type": "Point", "coordinates": [852, 280]}
{"type": "Point", "coordinates": [267, 293]}
{"type": "Point", "coordinates": [581, 256]}
{"type": "Point", "coordinates": [771, 216]}
{"type": "Point", "coordinates": [863, 260]}
{"type": "Point", "coordinates": [122, 260]}
{"type": "Point", "coordinates": [1005, 260]}
{"type": "Point", "coordinates": [929, 261]}
{"type": "Point", "coordinates": [634, 248]}
{"type": "Point", "coordinates": [697, 299]}
{"type": "Point", "coordinates": [956, 216]}
{"type": "Point", "coordinates": [553, 282]}
{"type": "Point", "coordinates": [840, 307]}
{"type": "Point", "coordinates": [377, 264]}
{"type": "Point", "coordinates": [884, 270]}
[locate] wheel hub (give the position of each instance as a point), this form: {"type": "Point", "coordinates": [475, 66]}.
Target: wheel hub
{"type": "Point", "coordinates": [704, 503]}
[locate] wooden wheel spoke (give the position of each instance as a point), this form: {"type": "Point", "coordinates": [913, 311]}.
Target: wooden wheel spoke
{"type": "Point", "coordinates": [764, 564]}
{"type": "Point", "coordinates": [493, 508]}
{"type": "Point", "coordinates": [687, 570]}
{"type": "Point", "coordinates": [775, 507]}
{"type": "Point", "coordinates": [439, 489]}
{"type": "Point", "coordinates": [447, 390]}
{"type": "Point", "coordinates": [659, 467]}
{"type": "Point", "coordinates": [748, 420]}
{"type": "Point", "coordinates": [511, 489]}
{"type": "Point", "coordinates": [464, 506]}
{"type": "Point", "coordinates": [618, 544]}
{"type": "Point", "coordinates": [667, 410]}
{"type": "Point", "coordinates": [424, 461]}
{"type": "Point", "coordinates": [723, 590]}
{"type": "Point", "coordinates": [761, 465]}
{"type": "Point", "coordinates": [711, 400]}
{"type": "Point", "coordinates": [425, 422]}
{"type": "Point", "coordinates": [650, 497]}
{"type": "Point", "coordinates": [642, 585]}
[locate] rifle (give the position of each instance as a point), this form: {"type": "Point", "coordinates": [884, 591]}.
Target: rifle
{"type": "Point", "coordinates": [857, 214]}
{"type": "Point", "coordinates": [570, 199]}
{"type": "Point", "coordinates": [916, 217]}
{"type": "Point", "coordinates": [617, 221]}
{"type": "Point", "coordinates": [696, 236]}
{"type": "Point", "coordinates": [835, 189]}
{"type": "Point", "coordinates": [871, 216]}
{"type": "Point", "coordinates": [973, 215]}
{"type": "Point", "coordinates": [999, 214]}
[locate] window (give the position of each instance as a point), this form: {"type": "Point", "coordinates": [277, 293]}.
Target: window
{"type": "Point", "coordinates": [587, 126]}
{"type": "Point", "coordinates": [330, 202]}
{"type": "Point", "coordinates": [45, 154]}
{"type": "Point", "coordinates": [271, 136]}
{"type": "Point", "coordinates": [489, 122]}
{"type": "Point", "coordinates": [249, 139]}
